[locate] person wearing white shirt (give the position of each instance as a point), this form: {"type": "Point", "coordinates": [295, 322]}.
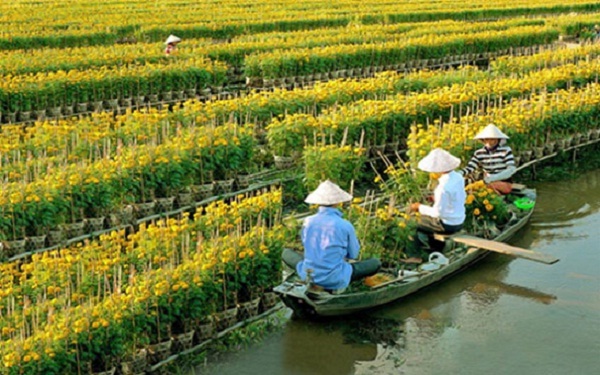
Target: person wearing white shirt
{"type": "Point", "coordinates": [447, 214]}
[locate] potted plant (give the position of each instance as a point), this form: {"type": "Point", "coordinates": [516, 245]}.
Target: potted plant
{"type": "Point", "coordinates": [83, 95]}
{"type": "Point", "coordinates": [26, 104]}
{"type": "Point", "coordinates": [12, 227]}
{"type": "Point", "coordinates": [486, 211]}
{"type": "Point", "coordinates": [233, 147]}
{"type": "Point", "coordinates": [56, 93]}
{"type": "Point", "coordinates": [158, 326]}
{"type": "Point", "coordinates": [99, 200]}
{"type": "Point", "coordinates": [102, 345]}
{"type": "Point", "coordinates": [42, 212]}
{"type": "Point", "coordinates": [203, 173]}
{"type": "Point", "coordinates": [332, 162]}
{"type": "Point", "coordinates": [287, 137]}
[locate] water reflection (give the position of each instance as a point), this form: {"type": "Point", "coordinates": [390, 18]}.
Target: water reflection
{"type": "Point", "coordinates": [365, 338]}
{"type": "Point", "coordinates": [371, 329]}
{"type": "Point", "coordinates": [325, 347]}
{"type": "Point", "coordinates": [499, 288]}
{"type": "Point", "coordinates": [562, 205]}
{"type": "Point", "coordinates": [334, 346]}
{"type": "Point", "coordinates": [435, 321]}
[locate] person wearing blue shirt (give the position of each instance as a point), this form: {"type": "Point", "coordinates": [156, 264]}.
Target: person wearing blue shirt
{"type": "Point", "coordinates": [329, 241]}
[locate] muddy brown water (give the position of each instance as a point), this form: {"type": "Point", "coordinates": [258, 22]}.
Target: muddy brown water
{"type": "Point", "coordinates": [502, 316]}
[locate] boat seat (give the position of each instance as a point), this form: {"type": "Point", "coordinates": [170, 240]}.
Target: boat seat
{"type": "Point", "coordinates": [447, 239]}
{"type": "Point", "coordinates": [446, 236]}
{"type": "Point", "coordinates": [316, 291]}
{"type": "Point", "coordinates": [441, 236]}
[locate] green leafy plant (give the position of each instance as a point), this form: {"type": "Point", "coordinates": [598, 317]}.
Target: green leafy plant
{"type": "Point", "coordinates": [340, 164]}
{"type": "Point", "coordinates": [42, 212]}
{"type": "Point", "coordinates": [485, 209]}
{"type": "Point", "coordinates": [14, 222]}
{"type": "Point", "coordinates": [383, 231]}
{"type": "Point", "coordinates": [287, 137]}
{"type": "Point", "coordinates": [233, 148]}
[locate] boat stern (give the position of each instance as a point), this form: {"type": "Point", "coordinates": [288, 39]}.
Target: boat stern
{"type": "Point", "coordinates": [293, 295]}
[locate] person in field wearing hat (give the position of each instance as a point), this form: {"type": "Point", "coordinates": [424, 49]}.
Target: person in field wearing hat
{"type": "Point", "coordinates": [495, 159]}
{"type": "Point", "coordinates": [447, 214]}
{"type": "Point", "coordinates": [171, 43]}
{"type": "Point", "coordinates": [328, 241]}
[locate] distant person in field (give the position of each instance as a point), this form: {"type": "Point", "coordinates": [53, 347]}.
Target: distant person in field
{"type": "Point", "coordinates": [495, 159]}
{"type": "Point", "coordinates": [171, 43]}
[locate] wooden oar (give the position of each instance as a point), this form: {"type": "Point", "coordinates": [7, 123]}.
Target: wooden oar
{"type": "Point", "coordinates": [499, 247]}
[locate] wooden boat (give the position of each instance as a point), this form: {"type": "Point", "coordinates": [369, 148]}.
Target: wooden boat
{"type": "Point", "coordinates": [307, 302]}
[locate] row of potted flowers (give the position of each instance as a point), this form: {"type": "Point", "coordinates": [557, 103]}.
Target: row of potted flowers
{"type": "Point", "coordinates": [140, 174]}
{"type": "Point", "coordinates": [261, 107]}
{"type": "Point", "coordinates": [289, 134]}
{"type": "Point", "coordinates": [303, 61]}
{"type": "Point", "coordinates": [562, 119]}
{"type": "Point", "coordinates": [133, 23]}
{"type": "Point", "coordinates": [446, 62]}
{"type": "Point", "coordinates": [384, 121]}
{"type": "Point", "coordinates": [144, 187]}
{"type": "Point", "coordinates": [57, 90]}
{"type": "Point", "coordinates": [176, 281]}
{"type": "Point", "coordinates": [118, 104]}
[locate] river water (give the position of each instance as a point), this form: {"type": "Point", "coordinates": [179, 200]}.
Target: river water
{"type": "Point", "coordinates": [501, 316]}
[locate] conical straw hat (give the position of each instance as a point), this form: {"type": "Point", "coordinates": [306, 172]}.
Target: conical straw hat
{"type": "Point", "coordinates": [491, 132]}
{"type": "Point", "coordinates": [328, 194]}
{"type": "Point", "coordinates": [173, 39]}
{"type": "Point", "coordinates": [439, 161]}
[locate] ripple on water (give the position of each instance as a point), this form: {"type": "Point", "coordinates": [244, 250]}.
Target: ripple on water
{"type": "Point", "coordinates": [562, 205]}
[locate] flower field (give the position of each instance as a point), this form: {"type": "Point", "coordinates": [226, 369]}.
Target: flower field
{"type": "Point", "coordinates": [144, 196]}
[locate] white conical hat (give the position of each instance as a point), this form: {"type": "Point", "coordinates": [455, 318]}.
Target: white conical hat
{"type": "Point", "coordinates": [173, 39]}
{"type": "Point", "coordinates": [438, 161]}
{"type": "Point", "coordinates": [491, 132]}
{"type": "Point", "coordinates": [328, 194]}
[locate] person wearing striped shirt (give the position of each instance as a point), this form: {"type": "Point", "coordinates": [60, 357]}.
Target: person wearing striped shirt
{"type": "Point", "coordinates": [495, 159]}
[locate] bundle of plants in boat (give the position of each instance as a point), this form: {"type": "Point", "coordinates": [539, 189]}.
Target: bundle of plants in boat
{"type": "Point", "coordinates": [383, 230]}
{"type": "Point", "coordinates": [486, 210]}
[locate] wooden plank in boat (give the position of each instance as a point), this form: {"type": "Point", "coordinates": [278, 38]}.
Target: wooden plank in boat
{"type": "Point", "coordinates": [499, 247]}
